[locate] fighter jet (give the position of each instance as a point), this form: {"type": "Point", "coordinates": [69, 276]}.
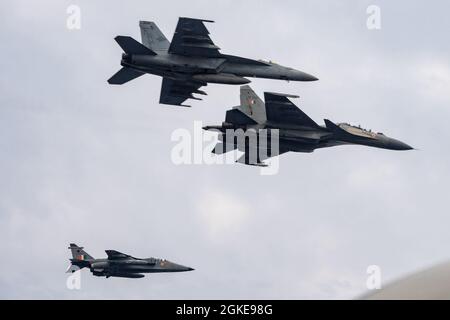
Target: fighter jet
{"type": "Point", "coordinates": [119, 264]}
{"type": "Point", "coordinates": [296, 131]}
{"type": "Point", "coordinates": [190, 61]}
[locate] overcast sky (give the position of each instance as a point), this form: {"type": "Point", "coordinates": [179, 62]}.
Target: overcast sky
{"type": "Point", "coordinates": [82, 161]}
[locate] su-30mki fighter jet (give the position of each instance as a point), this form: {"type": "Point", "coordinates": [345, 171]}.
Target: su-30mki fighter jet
{"type": "Point", "coordinates": [295, 130]}
{"type": "Point", "coordinates": [190, 61]}
{"type": "Point", "coordinates": [119, 264]}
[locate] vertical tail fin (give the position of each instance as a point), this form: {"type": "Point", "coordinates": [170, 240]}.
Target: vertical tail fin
{"type": "Point", "coordinates": [252, 105]}
{"type": "Point", "coordinates": [152, 37]}
{"type": "Point", "coordinates": [79, 254]}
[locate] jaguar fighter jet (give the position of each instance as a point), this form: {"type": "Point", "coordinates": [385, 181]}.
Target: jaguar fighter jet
{"type": "Point", "coordinates": [190, 61]}
{"type": "Point", "coordinates": [294, 129]}
{"type": "Point", "coordinates": [119, 264]}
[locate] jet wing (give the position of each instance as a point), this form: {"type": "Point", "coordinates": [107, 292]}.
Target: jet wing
{"type": "Point", "coordinates": [191, 38]}
{"type": "Point", "coordinates": [279, 109]}
{"type": "Point", "coordinates": [176, 92]}
{"type": "Point", "coordinates": [116, 255]}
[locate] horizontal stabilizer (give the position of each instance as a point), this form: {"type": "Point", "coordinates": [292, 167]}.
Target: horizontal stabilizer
{"type": "Point", "coordinates": [124, 75]}
{"type": "Point", "coordinates": [131, 46]}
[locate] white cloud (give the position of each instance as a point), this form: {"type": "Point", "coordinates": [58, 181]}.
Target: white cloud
{"type": "Point", "coordinates": [222, 213]}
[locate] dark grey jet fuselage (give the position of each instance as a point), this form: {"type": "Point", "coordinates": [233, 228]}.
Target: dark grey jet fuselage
{"type": "Point", "coordinates": [190, 61]}
{"type": "Point", "coordinates": [296, 131]}
{"type": "Point", "coordinates": [118, 264]}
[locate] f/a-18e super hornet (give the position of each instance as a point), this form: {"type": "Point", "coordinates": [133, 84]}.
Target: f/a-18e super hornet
{"type": "Point", "coordinates": [119, 264]}
{"type": "Point", "coordinates": [295, 130]}
{"type": "Point", "coordinates": [190, 61]}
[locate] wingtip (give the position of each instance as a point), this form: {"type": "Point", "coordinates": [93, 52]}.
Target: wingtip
{"type": "Point", "coordinates": [292, 96]}
{"type": "Point", "coordinates": [197, 19]}
{"type": "Point", "coordinates": [144, 22]}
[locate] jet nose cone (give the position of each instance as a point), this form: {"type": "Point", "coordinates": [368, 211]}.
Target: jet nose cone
{"type": "Point", "coordinates": [398, 145]}
{"type": "Point", "coordinates": [303, 76]}
{"type": "Point", "coordinates": [406, 147]}
{"type": "Point", "coordinates": [178, 267]}
{"type": "Point", "coordinates": [184, 269]}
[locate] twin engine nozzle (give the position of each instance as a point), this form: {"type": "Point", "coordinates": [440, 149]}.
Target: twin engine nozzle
{"type": "Point", "coordinates": [126, 58]}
